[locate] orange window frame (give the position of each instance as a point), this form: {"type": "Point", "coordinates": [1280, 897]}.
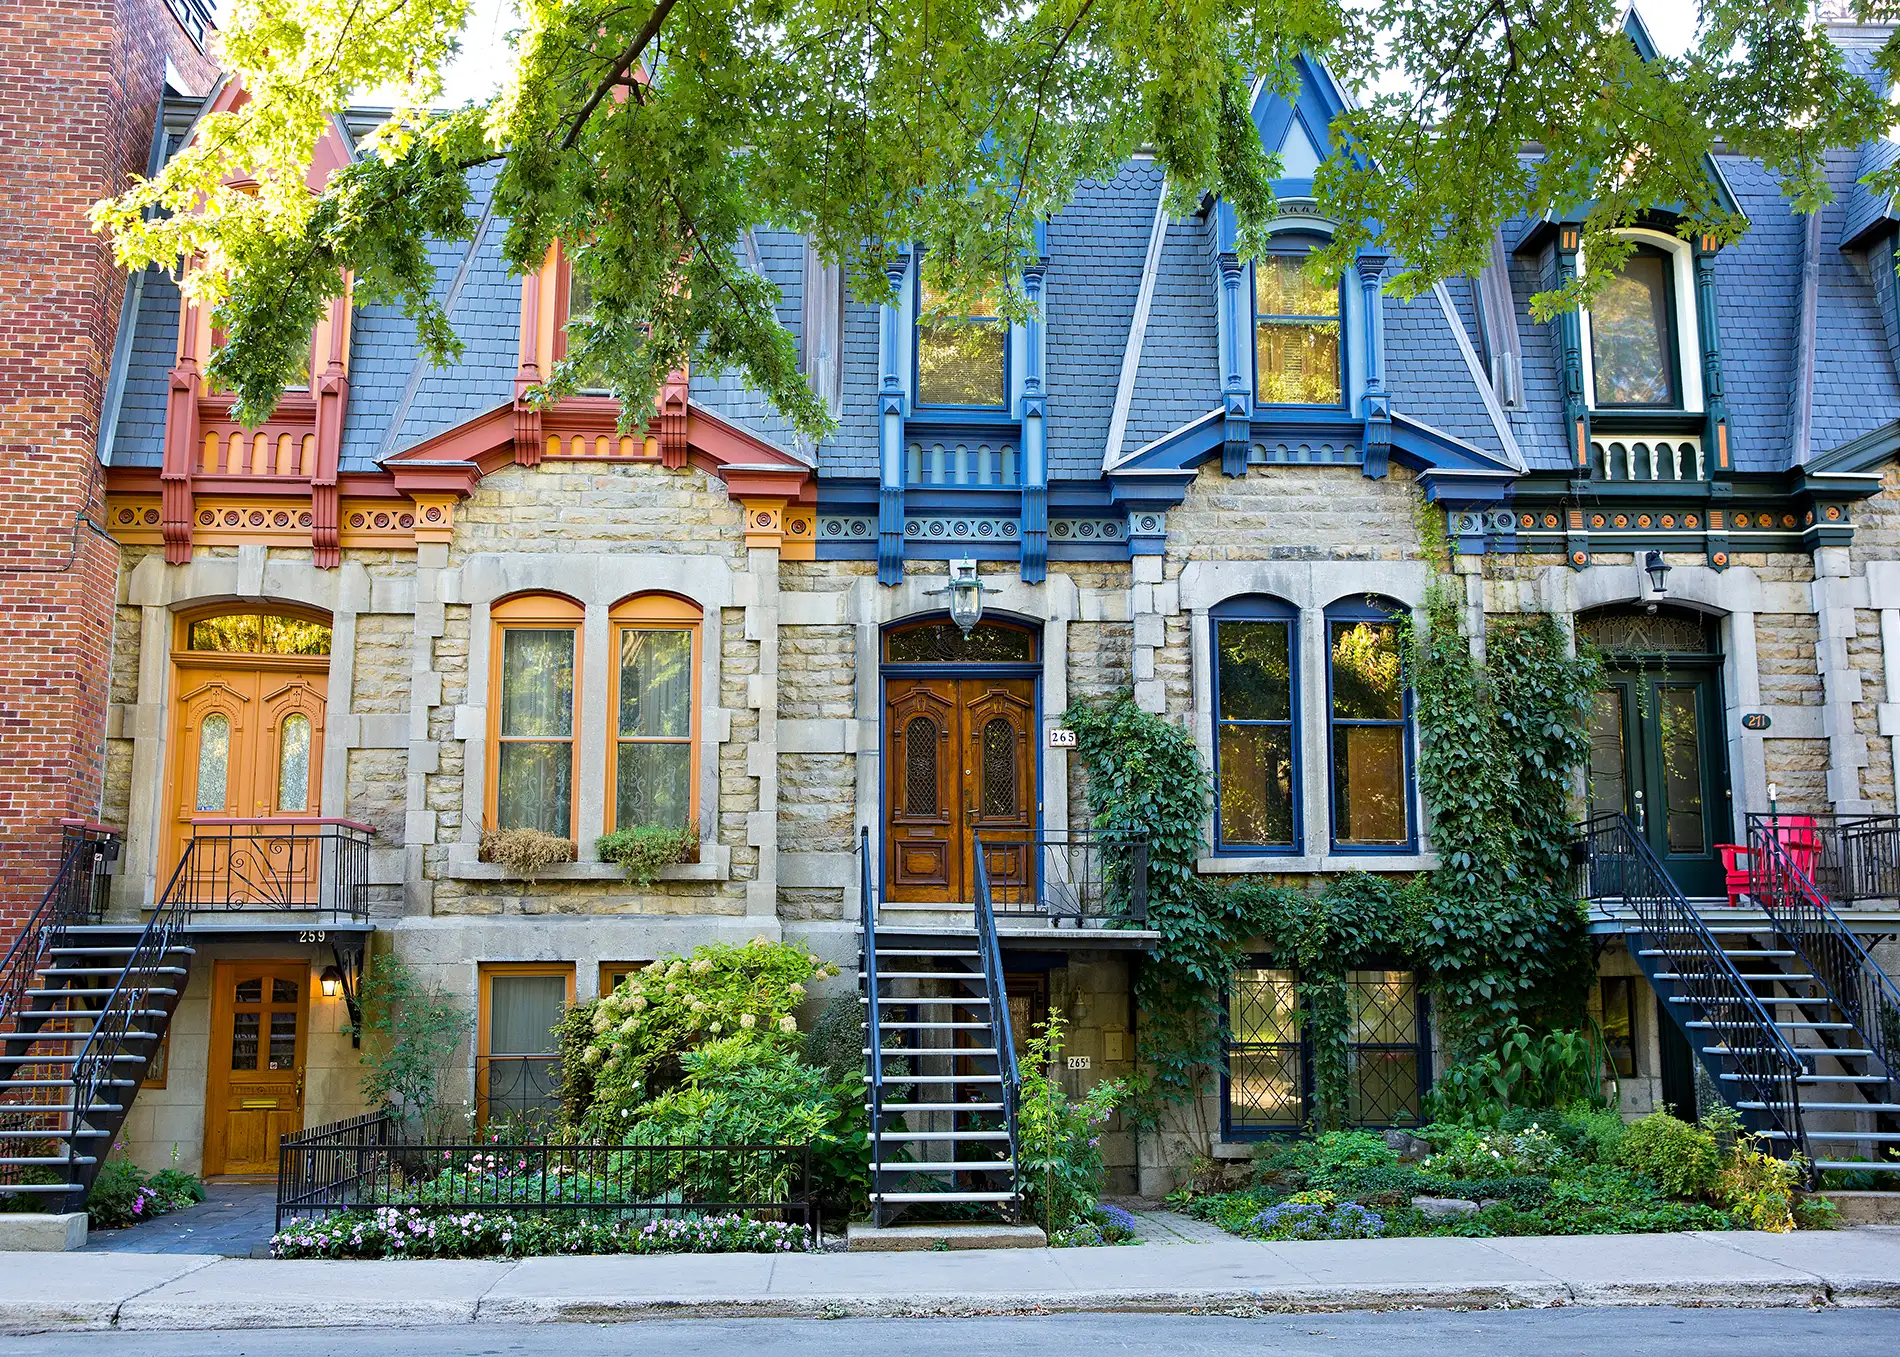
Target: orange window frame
{"type": "Point", "coordinates": [531, 612]}
{"type": "Point", "coordinates": [655, 612]}
{"type": "Point", "coordinates": [609, 969]}
{"type": "Point", "coordinates": [488, 970]}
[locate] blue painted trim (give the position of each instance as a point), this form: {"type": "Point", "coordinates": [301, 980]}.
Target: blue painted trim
{"type": "Point", "coordinates": [1259, 608]}
{"type": "Point", "coordinates": [997, 411]}
{"type": "Point", "coordinates": [891, 411]}
{"type": "Point", "coordinates": [1357, 611]}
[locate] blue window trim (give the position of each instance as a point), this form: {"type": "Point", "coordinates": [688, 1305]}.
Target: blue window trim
{"type": "Point", "coordinates": [1296, 245]}
{"type": "Point", "coordinates": [1672, 343]}
{"type": "Point", "coordinates": [1369, 610]}
{"type": "Point", "coordinates": [1421, 999]}
{"type": "Point", "coordinates": [918, 404]}
{"type": "Point", "coordinates": [1258, 608]}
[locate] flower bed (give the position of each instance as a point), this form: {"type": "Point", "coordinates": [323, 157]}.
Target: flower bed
{"type": "Point", "coordinates": [393, 1232]}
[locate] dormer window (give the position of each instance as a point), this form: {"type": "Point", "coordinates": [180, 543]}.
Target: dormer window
{"type": "Point", "coordinates": [580, 312]}
{"type": "Point", "coordinates": [1296, 333]}
{"type": "Point", "coordinates": [962, 360]}
{"type": "Point", "coordinates": [1633, 335]}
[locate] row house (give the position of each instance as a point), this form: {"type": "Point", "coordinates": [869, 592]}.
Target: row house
{"type": "Point", "coordinates": [414, 606]}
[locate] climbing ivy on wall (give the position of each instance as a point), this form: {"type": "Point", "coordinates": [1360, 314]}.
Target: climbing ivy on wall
{"type": "Point", "coordinates": [1497, 931]}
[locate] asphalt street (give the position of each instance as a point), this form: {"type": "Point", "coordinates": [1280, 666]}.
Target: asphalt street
{"type": "Point", "coordinates": [1565, 1332]}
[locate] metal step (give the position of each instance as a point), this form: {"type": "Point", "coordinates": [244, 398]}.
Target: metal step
{"type": "Point", "coordinates": [943, 1196]}
{"type": "Point", "coordinates": [179, 948]}
{"type": "Point", "coordinates": [883, 952]}
{"type": "Point", "coordinates": [45, 1187]}
{"type": "Point", "coordinates": [937, 1107]}
{"type": "Point", "coordinates": [940, 1135]}
{"type": "Point", "coordinates": [1820, 1078]}
{"type": "Point", "coordinates": [20, 1161]}
{"type": "Point", "coordinates": [901, 1079]}
{"type": "Point", "coordinates": [1870, 1166]}
{"type": "Point", "coordinates": [83, 1036]}
{"type": "Point", "coordinates": [929, 1027]}
{"type": "Point", "coordinates": [65, 1059]}
{"type": "Point", "coordinates": [1746, 975]}
{"type": "Point", "coordinates": [1786, 1024]}
{"type": "Point", "coordinates": [934, 1050]}
{"type": "Point", "coordinates": [53, 1135]}
{"type": "Point", "coordinates": [1888, 1136]}
{"type": "Point", "coordinates": [108, 970]}
{"type": "Point", "coordinates": [88, 993]}
{"type": "Point", "coordinates": [974, 1000]}
{"type": "Point", "coordinates": [926, 975]}
{"type": "Point", "coordinates": [63, 1083]}
{"type": "Point", "coordinates": [961, 1166]}
{"type": "Point", "coordinates": [1758, 952]}
{"type": "Point", "coordinates": [1825, 1107]}
{"type": "Point", "coordinates": [56, 1107]}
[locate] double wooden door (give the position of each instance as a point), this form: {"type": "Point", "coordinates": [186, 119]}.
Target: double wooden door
{"type": "Point", "coordinates": [959, 759]}
{"type": "Point", "coordinates": [254, 1090]}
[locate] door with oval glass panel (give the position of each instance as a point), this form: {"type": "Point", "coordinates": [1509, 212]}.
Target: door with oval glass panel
{"type": "Point", "coordinates": [247, 742]}
{"type": "Point", "coordinates": [254, 1087]}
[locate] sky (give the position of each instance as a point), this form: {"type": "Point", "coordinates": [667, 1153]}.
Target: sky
{"type": "Point", "coordinates": [477, 72]}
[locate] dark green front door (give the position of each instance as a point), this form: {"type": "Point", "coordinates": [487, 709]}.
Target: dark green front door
{"type": "Point", "coordinates": [1656, 755]}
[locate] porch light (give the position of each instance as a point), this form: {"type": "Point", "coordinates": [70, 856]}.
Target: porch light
{"type": "Point", "coordinates": [1658, 570]}
{"type": "Point", "coordinates": [966, 595]}
{"type": "Point", "coordinates": [332, 982]}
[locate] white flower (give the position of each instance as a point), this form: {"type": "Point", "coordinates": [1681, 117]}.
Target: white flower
{"type": "Point", "coordinates": [796, 990]}
{"type": "Point", "coordinates": [715, 1027]}
{"type": "Point", "coordinates": [639, 1003]}
{"type": "Point", "coordinates": [746, 1020]}
{"type": "Point", "coordinates": [702, 965]}
{"type": "Point", "coordinates": [787, 1024]}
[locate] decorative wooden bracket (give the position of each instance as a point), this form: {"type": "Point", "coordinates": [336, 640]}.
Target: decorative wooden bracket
{"type": "Point", "coordinates": [181, 441]}
{"type": "Point", "coordinates": [673, 403]}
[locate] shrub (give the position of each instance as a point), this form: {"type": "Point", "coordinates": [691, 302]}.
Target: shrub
{"type": "Point", "coordinates": [836, 1041]}
{"type": "Point", "coordinates": [1059, 1136]}
{"type": "Point", "coordinates": [1682, 1158]}
{"type": "Point", "coordinates": [640, 1032]}
{"type": "Point", "coordinates": [524, 852]}
{"type": "Point", "coordinates": [1318, 1219]}
{"type": "Point", "coordinates": [409, 1029]}
{"type": "Point", "coordinates": [1491, 1154]}
{"type": "Point", "coordinates": [392, 1232]}
{"type": "Point", "coordinates": [1591, 1133]}
{"type": "Point", "coordinates": [1523, 1070]}
{"type": "Point", "coordinates": [124, 1194]}
{"type": "Point", "coordinates": [1758, 1189]}
{"type": "Point", "coordinates": [643, 849]}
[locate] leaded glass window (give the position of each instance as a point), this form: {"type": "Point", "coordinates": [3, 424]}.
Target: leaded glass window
{"type": "Point", "coordinates": [214, 763]}
{"type": "Point", "coordinates": [293, 764]}
{"type": "Point", "coordinates": [961, 358]}
{"type": "Point", "coordinates": [945, 643]}
{"type": "Point", "coordinates": [1265, 1086]}
{"type": "Point", "coordinates": [1633, 333]}
{"type": "Point", "coordinates": [1254, 730]}
{"type": "Point", "coordinates": [1383, 1057]}
{"type": "Point", "coordinates": [1296, 334]}
{"type": "Point", "coordinates": [920, 767]}
{"type": "Point", "coordinates": [999, 767]}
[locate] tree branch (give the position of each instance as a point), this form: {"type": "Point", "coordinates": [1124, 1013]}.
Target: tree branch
{"type": "Point", "coordinates": [646, 35]}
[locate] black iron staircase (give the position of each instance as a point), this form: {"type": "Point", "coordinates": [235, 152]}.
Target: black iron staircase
{"type": "Point", "coordinates": [940, 1065]}
{"type": "Point", "coordinates": [83, 1008]}
{"type": "Point", "coordinates": [1729, 995]}
{"type": "Point", "coordinates": [1851, 1008]}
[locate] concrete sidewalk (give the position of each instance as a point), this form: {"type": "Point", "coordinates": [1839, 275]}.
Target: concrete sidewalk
{"type": "Point", "coordinates": [169, 1291]}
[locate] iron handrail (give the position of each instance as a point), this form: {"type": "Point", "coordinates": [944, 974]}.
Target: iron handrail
{"type": "Point", "coordinates": [1068, 874]}
{"type": "Point", "coordinates": [874, 1061]}
{"type": "Point", "coordinates": [1849, 857]}
{"type": "Point", "coordinates": [299, 864]}
{"type": "Point", "coordinates": [1856, 983]}
{"type": "Point", "coordinates": [990, 954]}
{"type": "Point", "coordinates": [1621, 863]}
{"type": "Point", "coordinates": [68, 901]}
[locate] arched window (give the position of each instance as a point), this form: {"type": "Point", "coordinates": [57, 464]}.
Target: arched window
{"type": "Point", "coordinates": [1296, 331]}
{"type": "Point", "coordinates": [1256, 725]}
{"type": "Point", "coordinates": [1633, 334]}
{"type": "Point", "coordinates": [1369, 723]}
{"type": "Point", "coordinates": [655, 705]}
{"type": "Point", "coordinates": [532, 708]}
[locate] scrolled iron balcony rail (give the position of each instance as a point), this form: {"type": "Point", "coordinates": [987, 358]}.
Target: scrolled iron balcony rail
{"type": "Point", "coordinates": [1736, 1027]}
{"type": "Point", "coordinates": [1075, 878]}
{"type": "Point", "coordinates": [303, 864]}
{"type": "Point", "coordinates": [1848, 858]}
{"type": "Point", "coordinates": [1780, 884]}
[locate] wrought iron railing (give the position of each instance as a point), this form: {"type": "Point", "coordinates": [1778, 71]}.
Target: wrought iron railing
{"type": "Point", "coordinates": [77, 896]}
{"type": "Point", "coordinates": [1849, 858]}
{"type": "Point", "coordinates": [990, 955]}
{"type": "Point", "coordinates": [1072, 877]}
{"type": "Point", "coordinates": [1865, 994]}
{"type": "Point", "coordinates": [279, 864]}
{"type": "Point", "coordinates": [874, 1032]}
{"type": "Point", "coordinates": [363, 1164]}
{"type": "Point", "coordinates": [1739, 1028]}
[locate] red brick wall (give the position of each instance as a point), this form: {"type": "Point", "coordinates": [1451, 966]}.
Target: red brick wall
{"type": "Point", "coordinates": [81, 81]}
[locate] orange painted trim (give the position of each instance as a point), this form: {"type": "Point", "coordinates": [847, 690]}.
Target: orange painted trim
{"type": "Point", "coordinates": [531, 612]}
{"type": "Point", "coordinates": [655, 612]}
{"type": "Point", "coordinates": [486, 971]}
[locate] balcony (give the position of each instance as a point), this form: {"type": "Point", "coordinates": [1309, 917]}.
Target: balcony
{"type": "Point", "coordinates": [1066, 880]}
{"type": "Point", "coordinates": [303, 868]}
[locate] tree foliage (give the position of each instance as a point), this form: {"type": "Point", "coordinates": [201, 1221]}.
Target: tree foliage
{"type": "Point", "coordinates": [652, 137]}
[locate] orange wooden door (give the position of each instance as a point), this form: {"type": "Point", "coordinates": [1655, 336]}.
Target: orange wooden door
{"type": "Point", "coordinates": [959, 758]}
{"type": "Point", "coordinates": [254, 1087]}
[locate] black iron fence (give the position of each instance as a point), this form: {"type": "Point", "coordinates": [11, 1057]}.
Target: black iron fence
{"type": "Point", "coordinates": [277, 864]}
{"type": "Point", "coordinates": [1848, 858]}
{"type": "Point", "coordinates": [363, 1164]}
{"type": "Point", "coordinates": [1072, 877]}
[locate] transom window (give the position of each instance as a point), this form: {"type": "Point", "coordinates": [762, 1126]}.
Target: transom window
{"type": "Point", "coordinates": [1633, 334]}
{"type": "Point", "coordinates": [1296, 334]}
{"type": "Point", "coordinates": [962, 359]}
{"type": "Point", "coordinates": [945, 643]}
{"type": "Point", "coordinates": [1370, 720]}
{"type": "Point", "coordinates": [259, 634]}
{"type": "Point", "coordinates": [1256, 725]}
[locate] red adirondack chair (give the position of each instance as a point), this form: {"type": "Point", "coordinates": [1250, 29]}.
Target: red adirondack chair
{"type": "Point", "coordinates": [1800, 840]}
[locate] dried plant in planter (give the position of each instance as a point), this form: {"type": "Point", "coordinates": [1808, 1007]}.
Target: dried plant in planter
{"type": "Point", "coordinates": [643, 849]}
{"type": "Point", "coordinates": [524, 852]}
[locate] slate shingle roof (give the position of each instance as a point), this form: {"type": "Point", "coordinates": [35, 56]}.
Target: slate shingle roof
{"type": "Point", "coordinates": [139, 437]}
{"type": "Point", "coordinates": [1427, 374]}
{"type": "Point", "coordinates": [1179, 379]}
{"type": "Point", "coordinates": [1856, 388]}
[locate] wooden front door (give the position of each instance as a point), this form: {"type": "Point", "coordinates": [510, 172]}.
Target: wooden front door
{"type": "Point", "coordinates": [254, 1089]}
{"type": "Point", "coordinates": [247, 743]}
{"type": "Point", "coordinates": [959, 758]}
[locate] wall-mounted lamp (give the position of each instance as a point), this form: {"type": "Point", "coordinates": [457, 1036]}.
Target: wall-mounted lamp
{"type": "Point", "coordinates": [966, 595]}
{"type": "Point", "coordinates": [1658, 571]}
{"type": "Point", "coordinates": [332, 982]}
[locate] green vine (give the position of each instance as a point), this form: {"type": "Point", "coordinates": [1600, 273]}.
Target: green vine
{"type": "Point", "coordinates": [1495, 932]}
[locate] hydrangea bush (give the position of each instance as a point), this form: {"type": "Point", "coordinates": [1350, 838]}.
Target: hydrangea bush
{"type": "Point", "coordinates": [411, 1232]}
{"type": "Point", "coordinates": [1471, 1153]}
